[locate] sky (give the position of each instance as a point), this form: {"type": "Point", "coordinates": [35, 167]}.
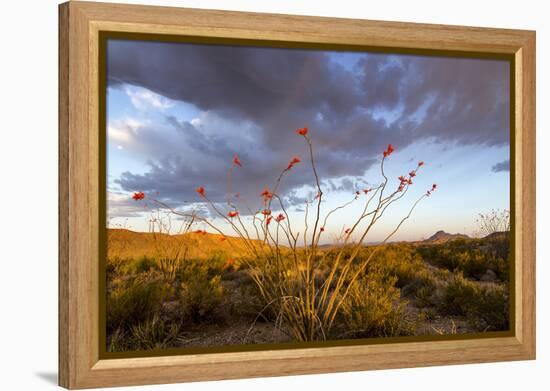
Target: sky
{"type": "Point", "coordinates": [178, 113]}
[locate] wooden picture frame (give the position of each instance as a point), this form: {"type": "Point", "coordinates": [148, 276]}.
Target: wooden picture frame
{"type": "Point", "coordinates": [80, 27]}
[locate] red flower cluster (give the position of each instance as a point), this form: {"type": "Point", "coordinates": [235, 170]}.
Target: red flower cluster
{"type": "Point", "coordinates": [266, 194]}
{"type": "Point", "coordinates": [403, 182]}
{"type": "Point", "coordinates": [266, 212]}
{"type": "Point", "coordinates": [389, 150]}
{"type": "Point", "coordinates": [201, 191]}
{"type": "Point", "coordinates": [139, 195]}
{"type": "Point", "coordinates": [279, 218]}
{"type": "Point", "coordinates": [233, 213]}
{"type": "Point", "coordinates": [429, 192]}
{"type": "Point", "coordinates": [295, 160]}
{"type": "Point", "coordinates": [237, 161]}
{"type": "Point", "coordinates": [268, 220]}
{"type": "Point", "coordinates": [302, 131]}
{"type": "Point", "coordinates": [366, 191]}
{"type": "Point", "coordinates": [347, 231]}
{"type": "Point", "coordinates": [322, 229]}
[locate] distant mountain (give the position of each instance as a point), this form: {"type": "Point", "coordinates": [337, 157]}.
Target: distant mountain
{"type": "Point", "coordinates": [126, 244]}
{"type": "Point", "coordinates": [444, 237]}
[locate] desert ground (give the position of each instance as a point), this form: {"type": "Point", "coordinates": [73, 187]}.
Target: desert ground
{"type": "Point", "coordinates": [197, 290]}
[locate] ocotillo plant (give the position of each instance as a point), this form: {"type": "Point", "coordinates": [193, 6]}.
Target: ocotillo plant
{"type": "Point", "coordinates": [285, 271]}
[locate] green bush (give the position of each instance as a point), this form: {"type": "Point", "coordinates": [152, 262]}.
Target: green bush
{"type": "Point", "coordinates": [374, 309]}
{"type": "Point", "coordinates": [471, 257]}
{"type": "Point", "coordinates": [133, 301]}
{"type": "Point", "coordinates": [485, 307]}
{"type": "Point", "coordinates": [200, 296]}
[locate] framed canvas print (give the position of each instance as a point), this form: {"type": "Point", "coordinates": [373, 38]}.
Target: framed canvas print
{"type": "Point", "coordinates": [248, 195]}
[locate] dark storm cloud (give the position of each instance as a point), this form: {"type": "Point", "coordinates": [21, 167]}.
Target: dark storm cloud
{"type": "Point", "coordinates": [353, 110]}
{"type": "Point", "coordinates": [501, 166]}
{"type": "Point", "coordinates": [249, 82]}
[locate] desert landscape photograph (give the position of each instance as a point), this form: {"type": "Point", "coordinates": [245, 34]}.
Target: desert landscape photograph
{"type": "Point", "coordinates": [275, 196]}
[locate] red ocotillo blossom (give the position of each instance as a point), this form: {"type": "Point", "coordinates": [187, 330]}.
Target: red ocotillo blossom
{"type": "Point", "coordinates": [201, 191]}
{"type": "Point", "coordinates": [266, 194]}
{"type": "Point", "coordinates": [429, 192]}
{"type": "Point", "coordinates": [139, 195]}
{"type": "Point", "coordinates": [347, 231]}
{"type": "Point", "coordinates": [268, 220]}
{"type": "Point", "coordinates": [412, 174]}
{"type": "Point", "coordinates": [266, 212]}
{"type": "Point", "coordinates": [237, 161]}
{"type": "Point", "coordinates": [389, 150]}
{"type": "Point", "coordinates": [279, 218]}
{"type": "Point", "coordinates": [233, 213]}
{"type": "Point", "coordinates": [420, 163]}
{"type": "Point", "coordinates": [322, 229]}
{"type": "Point", "coordinates": [295, 160]}
{"type": "Point", "coordinates": [302, 131]}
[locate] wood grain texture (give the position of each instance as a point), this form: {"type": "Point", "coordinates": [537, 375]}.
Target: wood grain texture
{"type": "Point", "coordinates": [80, 24]}
{"type": "Point", "coordinates": [63, 220]}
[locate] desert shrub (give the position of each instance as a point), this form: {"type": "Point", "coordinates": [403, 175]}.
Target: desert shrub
{"type": "Point", "coordinates": [491, 311]}
{"type": "Point", "coordinates": [138, 266]}
{"type": "Point", "coordinates": [486, 307]}
{"type": "Point", "coordinates": [245, 299]}
{"type": "Point", "coordinates": [117, 266]}
{"type": "Point", "coordinates": [216, 264]}
{"type": "Point", "coordinates": [498, 246]}
{"type": "Point", "coordinates": [424, 296]}
{"type": "Point", "coordinates": [134, 301]}
{"type": "Point", "coordinates": [459, 295]}
{"type": "Point", "coordinates": [200, 296]}
{"type": "Point", "coordinates": [420, 284]}
{"type": "Point", "coordinates": [111, 266]}
{"type": "Point", "coordinates": [374, 309]}
{"type": "Point", "coordinates": [400, 261]}
{"type": "Point", "coordinates": [413, 277]}
{"type": "Point", "coordinates": [471, 257]}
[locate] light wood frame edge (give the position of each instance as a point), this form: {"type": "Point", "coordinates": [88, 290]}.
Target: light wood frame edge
{"type": "Point", "coordinates": [79, 364]}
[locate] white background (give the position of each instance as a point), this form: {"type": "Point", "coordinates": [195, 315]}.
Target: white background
{"type": "Point", "coordinates": [28, 194]}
